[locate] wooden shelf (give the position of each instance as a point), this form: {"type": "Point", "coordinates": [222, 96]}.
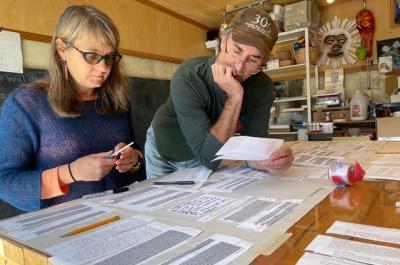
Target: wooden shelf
{"type": "Point", "coordinates": [291, 35]}
{"type": "Point", "coordinates": [331, 108]}
{"type": "Point", "coordinates": [280, 100]}
{"type": "Point", "coordinates": [355, 122]}
{"type": "Point", "coordinates": [281, 133]}
{"type": "Point", "coordinates": [293, 110]}
{"type": "Point", "coordinates": [285, 69]}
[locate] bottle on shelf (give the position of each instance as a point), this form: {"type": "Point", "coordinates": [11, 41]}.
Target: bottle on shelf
{"type": "Point", "coordinates": [358, 107]}
{"type": "Point", "coordinates": [302, 133]}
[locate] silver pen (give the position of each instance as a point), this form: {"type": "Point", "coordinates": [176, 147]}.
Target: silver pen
{"type": "Point", "coordinates": [116, 153]}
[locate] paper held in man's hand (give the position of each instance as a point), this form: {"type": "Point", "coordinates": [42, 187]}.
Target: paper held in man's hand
{"type": "Point", "coordinates": [248, 148]}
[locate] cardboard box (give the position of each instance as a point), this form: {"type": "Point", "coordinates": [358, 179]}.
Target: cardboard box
{"type": "Point", "coordinates": [391, 83]}
{"type": "Point", "coordinates": [388, 128]}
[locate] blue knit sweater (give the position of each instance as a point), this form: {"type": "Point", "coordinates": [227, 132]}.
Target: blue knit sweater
{"type": "Point", "coordinates": [34, 138]}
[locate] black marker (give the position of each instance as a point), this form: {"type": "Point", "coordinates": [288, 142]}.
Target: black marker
{"type": "Point", "coordinates": [178, 182]}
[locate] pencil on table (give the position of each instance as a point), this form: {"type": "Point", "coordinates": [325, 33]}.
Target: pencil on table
{"type": "Point", "coordinates": [91, 226]}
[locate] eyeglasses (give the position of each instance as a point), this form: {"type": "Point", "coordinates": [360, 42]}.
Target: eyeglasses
{"type": "Point", "coordinates": [252, 64]}
{"type": "Point", "coordinates": [95, 58]}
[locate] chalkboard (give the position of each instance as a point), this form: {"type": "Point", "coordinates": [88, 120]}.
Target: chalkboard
{"type": "Point", "coordinates": [10, 81]}
{"type": "Point", "coordinates": [146, 96]}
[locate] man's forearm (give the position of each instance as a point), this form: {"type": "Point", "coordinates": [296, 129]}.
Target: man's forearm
{"type": "Point", "coordinates": [225, 127]}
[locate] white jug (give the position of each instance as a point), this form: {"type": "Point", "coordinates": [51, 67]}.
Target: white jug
{"type": "Point", "coordinates": [358, 107]}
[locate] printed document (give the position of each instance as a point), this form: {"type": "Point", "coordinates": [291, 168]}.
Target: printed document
{"type": "Point", "coordinates": [31, 225]}
{"type": "Point", "coordinates": [197, 174]}
{"type": "Point", "coordinates": [353, 250]}
{"type": "Point", "coordinates": [248, 148]}
{"type": "Point", "coordinates": [217, 250]}
{"type": "Point", "coordinates": [261, 213]}
{"type": "Point", "coordinates": [128, 241]}
{"type": "Point", "coordinates": [154, 199]}
{"type": "Point", "coordinates": [382, 172]}
{"type": "Point", "coordinates": [207, 206]}
{"type": "Point", "coordinates": [387, 159]}
{"type": "Point", "coordinates": [390, 235]}
{"type": "Point", "coordinates": [10, 52]}
{"type": "Point", "coordinates": [315, 259]}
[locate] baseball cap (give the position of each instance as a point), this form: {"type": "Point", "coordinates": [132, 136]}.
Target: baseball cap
{"type": "Point", "coordinates": [253, 26]}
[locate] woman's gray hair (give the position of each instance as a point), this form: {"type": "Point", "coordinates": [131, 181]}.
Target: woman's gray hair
{"type": "Point", "coordinates": [77, 21]}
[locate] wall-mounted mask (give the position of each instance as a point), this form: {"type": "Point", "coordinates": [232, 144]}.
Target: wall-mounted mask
{"type": "Point", "coordinates": [366, 26]}
{"type": "Point", "coordinates": [335, 44]}
{"type": "Point", "coordinates": [338, 40]}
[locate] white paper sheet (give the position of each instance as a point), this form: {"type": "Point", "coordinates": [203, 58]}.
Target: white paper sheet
{"type": "Point", "coordinates": [299, 173]}
{"type": "Point", "coordinates": [315, 259]}
{"type": "Point", "coordinates": [307, 160]}
{"type": "Point", "coordinates": [154, 199]}
{"type": "Point", "coordinates": [217, 250]}
{"type": "Point", "coordinates": [10, 52]}
{"type": "Point", "coordinates": [242, 170]}
{"type": "Point", "coordinates": [128, 241]}
{"type": "Point", "coordinates": [390, 235]}
{"type": "Point", "coordinates": [31, 225]}
{"type": "Point", "coordinates": [207, 206]}
{"type": "Point", "coordinates": [382, 172]}
{"type": "Point", "coordinates": [248, 148]}
{"type": "Point", "coordinates": [260, 213]}
{"type": "Point", "coordinates": [388, 159]}
{"type": "Point", "coordinates": [198, 174]}
{"type": "Point", "coordinates": [353, 250]}
{"type": "Point", "coordinates": [269, 216]}
{"type": "Point", "coordinates": [231, 184]}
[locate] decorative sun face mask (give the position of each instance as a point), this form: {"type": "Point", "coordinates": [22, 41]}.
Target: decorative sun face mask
{"type": "Point", "coordinates": [366, 27]}
{"type": "Point", "coordinates": [334, 45]}
{"type": "Point", "coordinates": [338, 40]}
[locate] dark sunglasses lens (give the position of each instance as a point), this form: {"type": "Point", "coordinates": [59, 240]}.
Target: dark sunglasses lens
{"type": "Point", "coordinates": [92, 58]}
{"type": "Point", "coordinates": [112, 59]}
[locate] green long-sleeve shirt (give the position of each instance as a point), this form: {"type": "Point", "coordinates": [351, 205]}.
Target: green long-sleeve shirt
{"type": "Point", "coordinates": [182, 124]}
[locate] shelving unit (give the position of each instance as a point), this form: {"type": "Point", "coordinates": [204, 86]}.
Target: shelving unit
{"type": "Point", "coordinates": [307, 67]}
{"type": "Point", "coordinates": [278, 100]}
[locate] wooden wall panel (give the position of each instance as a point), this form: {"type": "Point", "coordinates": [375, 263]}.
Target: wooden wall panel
{"type": "Point", "coordinates": [145, 31]}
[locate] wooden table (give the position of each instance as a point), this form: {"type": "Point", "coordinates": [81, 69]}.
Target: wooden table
{"type": "Point", "coordinates": [368, 202]}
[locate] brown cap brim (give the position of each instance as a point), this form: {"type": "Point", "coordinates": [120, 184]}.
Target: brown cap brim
{"type": "Point", "coordinates": [246, 38]}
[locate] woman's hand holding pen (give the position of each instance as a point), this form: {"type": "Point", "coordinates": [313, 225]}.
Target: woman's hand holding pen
{"type": "Point", "coordinates": [92, 167]}
{"type": "Point", "coordinates": [126, 159]}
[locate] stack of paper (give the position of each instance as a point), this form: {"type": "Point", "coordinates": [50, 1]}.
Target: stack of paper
{"type": "Point", "coordinates": [248, 148]}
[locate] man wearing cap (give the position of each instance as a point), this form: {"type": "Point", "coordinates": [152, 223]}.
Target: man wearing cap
{"type": "Point", "coordinates": [211, 97]}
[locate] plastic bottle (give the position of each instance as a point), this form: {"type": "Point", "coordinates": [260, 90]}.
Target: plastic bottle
{"type": "Point", "coordinates": [302, 133]}
{"type": "Point", "coordinates": [358, 107]}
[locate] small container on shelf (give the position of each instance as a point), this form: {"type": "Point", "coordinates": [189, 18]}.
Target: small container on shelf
{"type": "Point", "coordinates": [284, 54]}
{"type": "Point", "coordinates": [302, 14]}
{"type": "Point", "coordinates": [302, 133]}
{"type": "Point", "coordinates": [358, 107]}
{"type": "Point", "coordinates": [300, 55]}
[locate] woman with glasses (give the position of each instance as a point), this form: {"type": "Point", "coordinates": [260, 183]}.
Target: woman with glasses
{"type": "Point", "coordinates": [213, 98]}
{"type": "Point", "coordinates": [57, 135]}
